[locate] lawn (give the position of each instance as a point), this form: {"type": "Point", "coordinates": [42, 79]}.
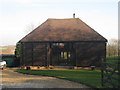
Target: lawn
{"type": "Point", "coordinates": [88, 77]}
{"type": "Point", "coordinates": [113, 59]}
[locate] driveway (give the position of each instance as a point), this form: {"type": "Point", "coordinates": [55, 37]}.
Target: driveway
{"type": "Point", "coordinates": [11, 79]}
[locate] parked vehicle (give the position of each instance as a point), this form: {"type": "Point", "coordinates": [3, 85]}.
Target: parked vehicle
{"type": "Point", "coordinates": [2, 64]}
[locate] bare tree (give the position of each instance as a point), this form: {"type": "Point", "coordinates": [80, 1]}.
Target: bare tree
{"type": "Point", "coordinates": [112, 47]}
{"type": "Point", "coordinates": [29, 28]}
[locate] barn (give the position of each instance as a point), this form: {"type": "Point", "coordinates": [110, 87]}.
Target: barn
{"type": "Point", "coordinates": [63, 42]}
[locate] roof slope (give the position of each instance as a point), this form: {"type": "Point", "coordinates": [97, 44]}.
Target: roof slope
{"type": "Point", "coordinates": [72, 29]}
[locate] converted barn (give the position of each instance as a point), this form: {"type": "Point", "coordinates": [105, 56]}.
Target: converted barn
{"type": "Point", "coordinates": [63, 42]}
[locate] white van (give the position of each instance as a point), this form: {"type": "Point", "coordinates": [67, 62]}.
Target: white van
{"type": "Point", "coordinates": [2, 64]}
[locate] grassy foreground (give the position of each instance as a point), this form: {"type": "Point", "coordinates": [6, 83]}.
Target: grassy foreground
{"type": "Point", "coordinates": [113, 59]}
{"type": "Point", "coordinates": [88, 77]}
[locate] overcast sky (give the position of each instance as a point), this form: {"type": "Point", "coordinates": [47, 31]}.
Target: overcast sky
{"type": "Point", "coordinates": [17, 15]}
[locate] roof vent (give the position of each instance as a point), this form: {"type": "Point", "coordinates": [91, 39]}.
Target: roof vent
{"type": "Point", "coordinates": [73, 15]}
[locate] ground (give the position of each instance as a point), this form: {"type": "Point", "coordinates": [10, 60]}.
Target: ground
{"type": "Point", "coordinates": [11, 79]}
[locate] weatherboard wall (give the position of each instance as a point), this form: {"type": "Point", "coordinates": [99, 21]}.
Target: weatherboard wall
{"type": "Point", "coordinates": [83, 54]}
{"type": "Point", "coordinates": [33, 54]}
{"type": "Point", "coordinates": [90, 53]}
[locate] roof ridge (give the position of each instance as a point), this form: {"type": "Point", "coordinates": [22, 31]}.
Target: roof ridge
{"type": "Point", "coordinates": [61, 18]}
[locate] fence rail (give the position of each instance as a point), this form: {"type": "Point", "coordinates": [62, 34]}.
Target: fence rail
{"type": "Point", "coordinates": [110, 73]}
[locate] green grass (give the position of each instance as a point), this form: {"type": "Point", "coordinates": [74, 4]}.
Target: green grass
{"type": "Point", "coordinates": [113, 59]}
{"type": "Point", "coordinates": [88, 77]}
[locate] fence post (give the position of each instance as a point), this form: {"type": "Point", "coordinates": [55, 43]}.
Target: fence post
{"type": "Point", "coordinates": [102, 72]}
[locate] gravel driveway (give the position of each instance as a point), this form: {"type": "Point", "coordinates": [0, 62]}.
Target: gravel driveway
{"type": "Point", "coordinates": [11, 79]}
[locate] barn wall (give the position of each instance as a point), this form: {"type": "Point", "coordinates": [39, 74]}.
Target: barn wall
{"type": "Point", "coordinates": [39, 54]}
{"type": "Point", "coordinates": [33, 54]}
{"type": "Point", "coordinates": [88, 54]}
{"type": "Point", "coordinates": [27, 54]}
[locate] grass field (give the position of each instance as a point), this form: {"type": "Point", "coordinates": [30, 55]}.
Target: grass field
{"type": "Point", "coordinates": [113, 59]}
{"type": "Point", "coordinates": [88, 77]}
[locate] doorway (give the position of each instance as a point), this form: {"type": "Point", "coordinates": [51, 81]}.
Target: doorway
{"type": "Point", "coordinates": [62, 54]}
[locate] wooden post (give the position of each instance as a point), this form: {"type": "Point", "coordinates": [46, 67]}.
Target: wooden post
{"type": "Point", "coordinates": [67, 57]}
{"type": "Point", "coordinates": [63, 54]}
{"type": "Point", "coordinates": [75, 54]}
{"type": "Point", "coordinates": [58, 52]}
{"type": "Point", "coordinates": [21, 56]}
{"type": "Point", "coordinates": [105, 54]}
{"type": "Point", "coordinates": [32, 54]}
{"type": "Point", "coordinates": [119, 46]}
{"type": "Point", "coordinates": [48, 55]}
{"type": "Point", "coordinates": [102, 72]}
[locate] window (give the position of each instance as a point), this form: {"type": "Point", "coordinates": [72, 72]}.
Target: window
{"type": "Point", "coordinates": [62, 56]}
{"type": "Point", "coordinates": [58, 44]}
{"type": "Point", "coordinates": [65, 55]}
{"type": "Point", "coordinates": [69, 55]}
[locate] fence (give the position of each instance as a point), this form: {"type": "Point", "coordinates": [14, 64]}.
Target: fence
{"type": "Point", "coordinates": [110, 73]}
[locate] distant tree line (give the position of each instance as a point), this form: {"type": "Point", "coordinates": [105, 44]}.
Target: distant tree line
{"type": "Point", "coordinates": [112, 48]}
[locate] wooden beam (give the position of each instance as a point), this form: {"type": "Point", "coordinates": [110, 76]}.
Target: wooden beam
{"type": "Point", "coordinates": [48, 55]}
{"type": "Point", "coordinates": [63, 54]}
{"type": "Point", "coordinates": [58, 56]}
{"type": "Point", "coordinates": [63, 41]}
{"type": "Point", "coordinates": [51, 54]}
{"type": "Point", "coordinates": [32, 54]}
{"type": "Point", "coordinates": [21, 56]}
{"type": "Point", "coordinates": [75, 54]}
{"type": "Point", "coordinates": [67, 55]}
{"type": "Point", "coordinates": [105, 54]}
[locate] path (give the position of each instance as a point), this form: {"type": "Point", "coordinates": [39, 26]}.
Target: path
{"type": "Point", "coordinates": [11, 79]}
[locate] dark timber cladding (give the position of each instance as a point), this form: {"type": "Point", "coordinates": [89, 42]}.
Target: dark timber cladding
{"type": "Point", "coordinates": [67, 42]}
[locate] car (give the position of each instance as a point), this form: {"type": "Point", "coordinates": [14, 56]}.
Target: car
{"type": "Point", "coordinates": [2, 64]}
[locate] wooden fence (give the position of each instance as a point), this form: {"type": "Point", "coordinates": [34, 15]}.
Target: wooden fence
{"type": "Point", "coordinates": [110, 75]}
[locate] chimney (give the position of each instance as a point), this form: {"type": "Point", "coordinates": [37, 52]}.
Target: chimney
{"type": "Point", "coordinates": [73, 15]}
